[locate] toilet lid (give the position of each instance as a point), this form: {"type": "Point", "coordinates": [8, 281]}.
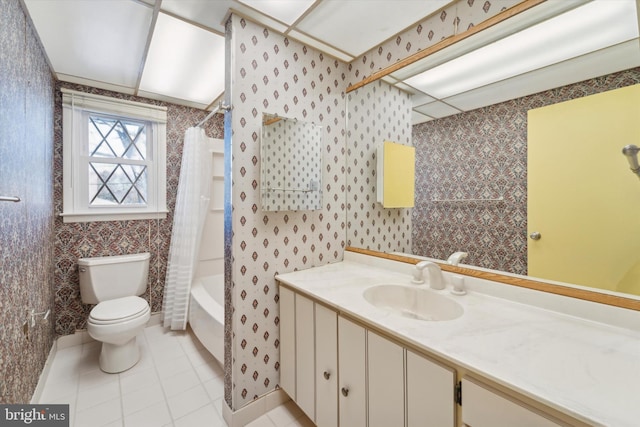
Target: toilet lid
{"type": "Point", "coordinates": [119, 309]}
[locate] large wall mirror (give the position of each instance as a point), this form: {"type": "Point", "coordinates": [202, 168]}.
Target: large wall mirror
{"type": "Point", "coordinates": [475, 168]}
{"type": "Point", "coordinates": [291, 164]}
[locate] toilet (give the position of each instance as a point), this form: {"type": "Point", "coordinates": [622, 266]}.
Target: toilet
{"type": "Point", "coordinates": [114, 283]}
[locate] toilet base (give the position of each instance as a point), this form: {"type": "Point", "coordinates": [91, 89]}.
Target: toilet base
{"type": "Point", "coordinates": [118, 358]}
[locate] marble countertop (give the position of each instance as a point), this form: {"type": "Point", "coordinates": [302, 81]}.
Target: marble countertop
{"type": "Point", "coordinates": [586, 369]}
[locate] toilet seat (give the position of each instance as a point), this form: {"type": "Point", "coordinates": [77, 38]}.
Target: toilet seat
{"type": "Point", "coordinates": [118, 310]}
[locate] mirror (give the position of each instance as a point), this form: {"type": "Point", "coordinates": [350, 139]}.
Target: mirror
{"type": "Point", "coordinates": [291, 164]}
{"type": "Point", "coordinates": [471, 170]}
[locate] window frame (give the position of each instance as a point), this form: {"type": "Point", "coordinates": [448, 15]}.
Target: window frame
{"type": "Point", "coordinates": [76, 109]}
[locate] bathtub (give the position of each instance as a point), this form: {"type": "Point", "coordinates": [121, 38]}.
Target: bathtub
{"type": "Point", "coordinates": [206, 313]}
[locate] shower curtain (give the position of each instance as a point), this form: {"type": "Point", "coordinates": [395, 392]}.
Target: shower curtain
{"type": "Point", "coordinates": [190, 212]}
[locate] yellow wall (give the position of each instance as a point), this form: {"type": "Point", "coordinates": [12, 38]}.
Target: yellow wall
{"type": "Point", "coordinates": [582, 197]}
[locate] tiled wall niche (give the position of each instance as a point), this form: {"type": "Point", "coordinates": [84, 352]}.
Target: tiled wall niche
{"type": "Point", "coordinates": [26, 228]}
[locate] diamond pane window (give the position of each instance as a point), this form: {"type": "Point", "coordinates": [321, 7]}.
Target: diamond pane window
{"type": "Point", "coordinates": [113, 137]}
{"type": "Point", "coordinates": [114, 158]}
{"type": "Point", "coordinates": [117, 184]}
{"type": "Point", "coordinates": [123, 182]}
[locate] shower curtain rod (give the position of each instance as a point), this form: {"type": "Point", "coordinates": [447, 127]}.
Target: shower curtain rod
{"type": "Point", "coordinates": [220, 106]}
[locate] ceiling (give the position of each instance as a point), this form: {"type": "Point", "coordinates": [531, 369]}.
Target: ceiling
{"type": "Point", "coordinates": [173, 50]}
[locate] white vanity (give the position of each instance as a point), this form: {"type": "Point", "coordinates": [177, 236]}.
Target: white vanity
{"type": "Point", "coordinates": [511, 358]}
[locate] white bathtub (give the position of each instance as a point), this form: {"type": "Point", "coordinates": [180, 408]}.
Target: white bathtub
{"type": "Point", "coordinates": [206, 313]}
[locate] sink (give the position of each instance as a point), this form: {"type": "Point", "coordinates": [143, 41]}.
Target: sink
{"type": "Point", "coordinates": [413, 302]}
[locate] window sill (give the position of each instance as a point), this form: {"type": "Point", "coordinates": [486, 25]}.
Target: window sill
{"type": "Point", "coordinates": [112, 216]}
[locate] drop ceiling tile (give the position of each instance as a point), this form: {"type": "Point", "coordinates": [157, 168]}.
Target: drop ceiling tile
{"type": "Point", "coordinates": [287, 11]}
{"type": "Point", "coordinates": [207, 13]}
{"type": "Point", "coordinates": [184, 62]}
{"type": "Point", "coordinates": [97, 40]}
{"type": "Point", "coordinates": [356, 26]}
{"type": "Point", "coordinates": [317, 44]}
{"type": "Point", "coordinates": [417, 97]}
{"type": "Point", "coordinates": [437, 110]}
{"type": "Point", "coordinates": [417, 118]}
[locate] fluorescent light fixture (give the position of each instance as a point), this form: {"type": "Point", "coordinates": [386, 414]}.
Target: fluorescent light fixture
{"type": "Point", "coordinates": [184, 62]}
{"type": "Point", "coordinates": [358, 25]}
{"type": "Point", "coordinates": [594, 26]}
{"type": "Point", "coordinates": [287, 11]}
{"type": "Point", "coordinates": [100, 41]}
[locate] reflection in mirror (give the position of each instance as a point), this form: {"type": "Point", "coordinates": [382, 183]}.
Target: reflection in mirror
{"type": "Point", "coordinates": [472, 170]}
{"type": "Point", "coordinates": [291, 164]}
{"type": "Point", "coordinates": [376, 112]}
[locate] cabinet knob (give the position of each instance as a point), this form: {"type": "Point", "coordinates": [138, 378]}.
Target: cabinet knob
{"type": "Point", "coordinates": [327, 375]}
{"type": "Point", "coordinates": [345, 391]}
{"type": "Point", "coordinates": [535, 235]}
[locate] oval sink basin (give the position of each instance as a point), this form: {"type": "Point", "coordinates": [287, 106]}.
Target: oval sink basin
{"type": "Point", "coordinates": [413, 302]}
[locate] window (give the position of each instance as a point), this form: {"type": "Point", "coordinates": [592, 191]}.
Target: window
{"type": "Point", "coordinates": [114, 158]}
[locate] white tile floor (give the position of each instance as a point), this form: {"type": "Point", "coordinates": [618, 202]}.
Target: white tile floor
{"type": "Point", "coordinates": [176, 383]}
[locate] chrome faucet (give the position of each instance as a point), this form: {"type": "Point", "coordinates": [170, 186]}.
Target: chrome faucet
{"type": "Point", "coordinates": [436, 281]}
{"type": "Point", "coordinates": [456, 257]}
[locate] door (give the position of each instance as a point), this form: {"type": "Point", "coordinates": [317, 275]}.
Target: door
{"type": "Point", "coordinates": [352, 374]}
{"type": "Point", "coordinates": [287, 342]}
{"type": "Point", "coordinates": [386, 382]}
{"type": "Point", "coordinates": [582, 197]}
{"type": "Point", "coordinates": [326, 367]}
{"type": "Point", "coordinates": [305, 356]}
{"type": "Point", "coordinates": [430, 393]}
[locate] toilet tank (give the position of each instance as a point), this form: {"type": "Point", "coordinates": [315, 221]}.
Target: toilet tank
{"type": "Point", "coordinates": [110, 277]}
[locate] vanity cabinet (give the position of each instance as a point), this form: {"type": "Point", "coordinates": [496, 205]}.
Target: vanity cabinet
{"type": "Point", "coordinates": [385, 370]}
{"type": "Point", "coordinates": [342, 374]}
{"type": "Point", "coordinates": [326, 334]}
{"type": "Point", "coordinates": [430, 391]}
{"type": "Point", "coordinates": [352, 374]}
{"type": "Point", "coordinates": [287, 342]}
{"type": "Point", "coordinates": [309, 357]}
{"type": "Point", "coordinates": [483, 406]}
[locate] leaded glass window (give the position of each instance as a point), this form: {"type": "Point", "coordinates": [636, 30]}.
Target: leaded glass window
{"type": "Point", "coordinates": [117, 161]}
{"type": "Point", "coordinates": [114, 158]}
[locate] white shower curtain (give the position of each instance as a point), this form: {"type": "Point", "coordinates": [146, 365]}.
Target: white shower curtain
{"type": "Point", "coordinates": [190, 212]}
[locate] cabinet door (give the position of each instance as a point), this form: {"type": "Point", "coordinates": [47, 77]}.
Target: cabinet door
{"type": "Point", "coordinates": [305, 356]}
{"type": "Point", "coordinates": [287, 342]}
{"type": "Point", "coordinates": [352, 374]}
{"type": "Point", "coordinates": [326, 367]}
{"type": "Point", "coordinates": [482, 407]}
{"type": "Point", "coordinates": [430, 393]}
{"type": "Point", "coordinates": [385, 369]}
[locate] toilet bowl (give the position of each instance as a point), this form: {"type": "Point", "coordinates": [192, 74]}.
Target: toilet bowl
{"type": "Point", "coordinates": [113, 283]}
{"type": "Point", "coordinates": [116, 323]}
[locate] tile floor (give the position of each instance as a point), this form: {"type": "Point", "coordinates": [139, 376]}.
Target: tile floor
{"type": "Point", "coordinates": [176, 383]}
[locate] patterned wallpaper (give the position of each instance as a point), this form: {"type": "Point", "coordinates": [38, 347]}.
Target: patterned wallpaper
{"type": "Point", "coordinates": [377, 112]}
{"type": "Point", "coordinates": [26, 228]}
{"type": "Point", "coordinates": [291, 169]}
{"type": "Point", "coordinates": [483, 154]}
{"type": "Point", "coordinates": [90, 239]}
{"type": "Point", "coordinates": [274, 74]}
